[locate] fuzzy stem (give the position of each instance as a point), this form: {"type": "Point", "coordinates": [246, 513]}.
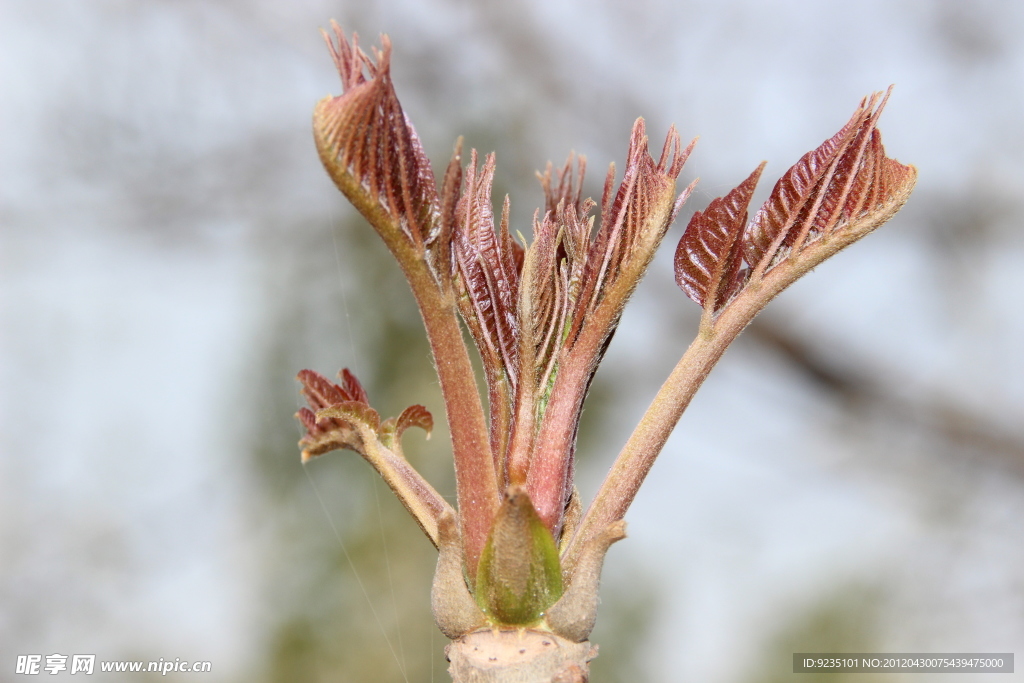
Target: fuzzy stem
{"type": "Point", "coordinates": [475, 477]}
{"type": "Point", "coordinates": [637, 456]}
{"type": "Point", "coordinates": [422, 501]}
{"type": "Point", "coordinates": [550, 470]}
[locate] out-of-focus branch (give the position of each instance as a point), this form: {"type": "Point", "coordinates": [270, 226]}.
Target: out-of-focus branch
{"type": "Point", "coordinates": [859, 385]}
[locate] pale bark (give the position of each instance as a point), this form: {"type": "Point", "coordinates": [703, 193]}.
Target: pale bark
{"type": "Point", "coordinates": [520, 656]}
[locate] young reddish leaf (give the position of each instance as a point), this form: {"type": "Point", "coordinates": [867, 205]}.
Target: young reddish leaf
{"type": "Point", "coordinates": [549, 296]}
{"type": "Point", "coordinates": [371, 150]}
{"type": "Point", "coordinates": [415, 416]}
{"type": "Point", "coordinates": [708, 259]}
{"type": "Point", "coordinates": [878, 190]}
{"type": "Point", "coordinates": [337, 427]}
{"type": "Point", "coordinates": [560, 250]}
{"type": "Point", "coordinates": [352, 387]}
{"type": "Point", "coordinates": [324, 435]}
{"type": "Point", "coordinates": [630, 229]}
{"type": "Point", "coordinates": [321, 392]}
{"type": "Point", "coordinates": [776, 216]}
{"type": "Point", "coordinates": [439, 244]}
{"type": "Point", "coordinates": [552, 281]}
{"type": "Point", "coordinates": [541, 302]}
{"type": "Point", "coordinates": [832, 197]}
{"type": "Point", "coordinates": [348, 422]}
{"type": "Point", "coordinates": [488, 265]}
{"type": "Point", "coordinates": [633, 224]}
{"type": "Point", "coordinates": [488, 272]}
{"type": "Point", "coordinates": [847, 181]}
{"type": "Point", "coordinates": [325, 432]}
{"type": "Point", "coordinates": [565, 192]}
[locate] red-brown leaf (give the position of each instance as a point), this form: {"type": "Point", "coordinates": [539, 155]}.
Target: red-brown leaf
{"type": "Point", "coordinates": [847, 181]}
{"type": "Point", "coordinates": [566, 191]}
{"type": "Point", "coordinates": [414, 416]}
{"type": "Point", "coordinates": [365, 133]}
{"type": "Point", "coordinates": [708, 259]}
{"type": "Point", "coordinates": [879, 186]}
{"type": "Point", "coordinates": [778, 214]}
{"type": "Point", "coordinates": [633, 223]}
{"type": "Point", "coordinates": [488, 267]}
{"type": "Point", "coordinates": [308, 419]}
{"type": "Point", "coordinates": [326, 433]}
{"type": "Point", "coordinates": [320, 391]}
{"type": "Point", "coordinates": [324, 441]}
{"type": "Point", "coordinates": [625, 242]}
{"type": "Point", "coordinates": [337, 426]}
{"type": "Point", "coordinates": [558, 256]}
{"type": "Point", "coordinates": [439, 245]}
{"type": "Point", "coordinates": [622, 217]}
{"type": "Point", "coordinates": [352, 388]}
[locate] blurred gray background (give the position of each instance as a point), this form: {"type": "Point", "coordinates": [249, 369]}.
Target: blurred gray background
{"type": "Point", "coordinates": [851, 477]}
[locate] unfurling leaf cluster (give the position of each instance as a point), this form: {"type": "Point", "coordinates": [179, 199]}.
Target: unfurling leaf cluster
{"type": "Point", "coordinates": [835, 194]}
{"type": "Point", "coordinates": [518, 551]}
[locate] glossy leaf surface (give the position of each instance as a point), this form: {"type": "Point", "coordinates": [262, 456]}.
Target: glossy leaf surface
{"type": "Point", "coordinates": [847, 183]}
{"type": "Point", "coordinates": [709, 257]}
